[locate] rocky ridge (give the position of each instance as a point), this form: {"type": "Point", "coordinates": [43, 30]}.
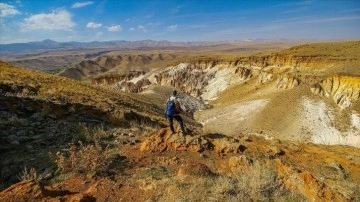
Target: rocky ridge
{"type": "Point", "coordinates": [241, 152]}
{"type": "Point", "coordinates": [309, 172]}
{"type": "Point", "coordinates": [343, 89]}
{"type": "Point", "coordinates": [206, 78]}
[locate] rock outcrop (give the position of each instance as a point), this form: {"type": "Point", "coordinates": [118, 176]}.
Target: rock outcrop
{"type": "Point", "coordinates": [243, 153]}
{"type": "Point", "coordinates": [190, 78]}
{"type": "Point", "coordinates": [130, 87]}
{"type": "Point", "coordinates": [264, 77]}
{"type": "Point", "coordinates": [287, 82]}
{"type": "Point", "coordinates": [283, 59]}
{"type": "Point", "coordinates": [343, 89]}
{"type": "Point", "coordinates": [244, 73]}
{"type": "Point", "coordinates": [110, 79]}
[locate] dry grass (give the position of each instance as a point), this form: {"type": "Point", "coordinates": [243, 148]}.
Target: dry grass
{"type": "Point", "coordinates": [49, 87]}
{"type": "Point", "coordinates": [259, 183]}
{"type": "Point", "coordinates": [356, 196]}
{"type": "Point", "coordinates": [90, 158]}
{"type": "Point", "coordinates": [26, 174]}
{"type": "Point", "coordinates": [95, 134]}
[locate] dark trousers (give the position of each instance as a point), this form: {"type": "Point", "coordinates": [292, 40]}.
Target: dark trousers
{"type": "Point", "coordinates": [179, 120]}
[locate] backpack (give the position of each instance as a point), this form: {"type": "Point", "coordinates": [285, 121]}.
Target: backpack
{"type": "Point", "coordinates": [171, 108]}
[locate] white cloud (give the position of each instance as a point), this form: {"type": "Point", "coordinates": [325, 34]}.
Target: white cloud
{"type": "Point", "coordinates": [6, 10]}
{"type": "Point", "coordinates": [114, 28]}
{"type": "Point", "coordinates": [142, 28]}
{"type": "Point", "coordinates": [81, 4]}
{"type": "Point", "coordinates": [172, 27]}
{"type": "Point", "coordinates": [57, 20]}
{"type": "Point", "coordinates": [93, 25]}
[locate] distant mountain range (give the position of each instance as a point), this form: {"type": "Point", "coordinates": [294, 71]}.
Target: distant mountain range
{"type": "Point", "coordinates": [52, 45]}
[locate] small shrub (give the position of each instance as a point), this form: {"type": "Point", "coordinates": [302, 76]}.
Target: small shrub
{"type": "Point", "coordinates": [83, 133]}
{"type": "Point", "coordinates": [91, 135]}
{"type": "Point", "coordinates": [26, 174]}
{"type": "Point", "coordinates": [84, 158]}
{"type": "Point", "coordinates": [26, 92]}
{"type": "Point", "coordinates": [117, 118]}
{"type": "Point", "coordinates": [99, 133]}
{"type": "Point", "coordinates": [258, 182]}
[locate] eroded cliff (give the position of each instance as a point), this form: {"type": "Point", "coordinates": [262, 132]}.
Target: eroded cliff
{"type": "Point", "coordinates": [344, 90]}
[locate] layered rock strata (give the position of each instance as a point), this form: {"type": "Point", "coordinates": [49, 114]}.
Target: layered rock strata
{"type": "Point", "coordinates": [344, 90]}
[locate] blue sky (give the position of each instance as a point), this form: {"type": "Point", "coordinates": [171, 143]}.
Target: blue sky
{"type": "Point", "coordinates": [185, 20]}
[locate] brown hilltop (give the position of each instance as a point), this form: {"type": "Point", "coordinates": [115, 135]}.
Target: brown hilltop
{"type": "Point", "coordinates": [117, 63]}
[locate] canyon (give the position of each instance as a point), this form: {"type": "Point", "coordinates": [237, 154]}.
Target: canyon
{"type": "Point", "coordinates": [292, 94]}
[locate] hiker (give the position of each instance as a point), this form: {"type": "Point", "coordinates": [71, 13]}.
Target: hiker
{"type": "Point", "coordinates": [173, 110]}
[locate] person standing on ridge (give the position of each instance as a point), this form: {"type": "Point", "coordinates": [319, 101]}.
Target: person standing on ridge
{"type": "Point", "coordinates": [173, 110]}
